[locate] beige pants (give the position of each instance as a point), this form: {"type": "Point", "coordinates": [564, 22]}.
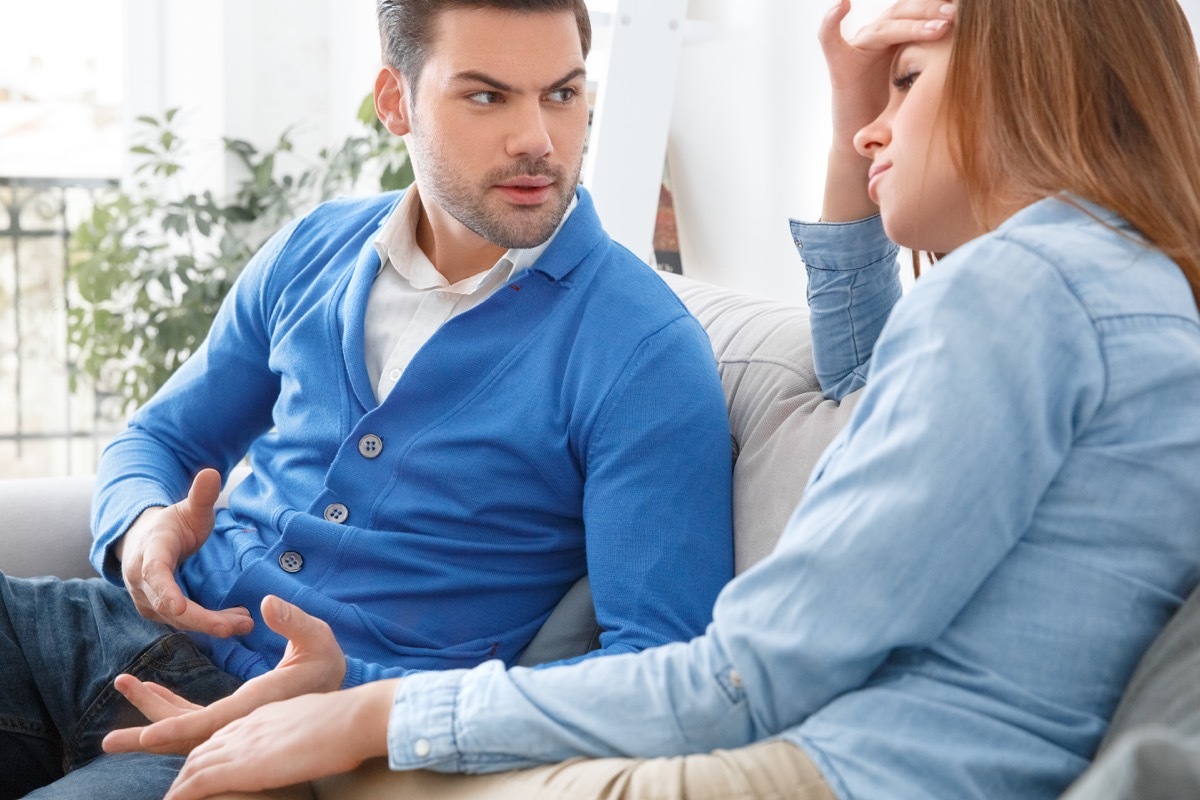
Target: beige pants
{"type": "Point", "coordinates": [765, 771]}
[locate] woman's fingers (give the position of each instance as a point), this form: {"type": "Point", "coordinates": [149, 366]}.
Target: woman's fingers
{"type": "Point", "coordinates": [884, 34]}
{"type": "Point", "coordinates": [906, 21]}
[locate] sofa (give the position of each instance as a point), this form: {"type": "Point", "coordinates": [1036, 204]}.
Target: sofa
{"type": "Point", "coordinates": [780, 424]}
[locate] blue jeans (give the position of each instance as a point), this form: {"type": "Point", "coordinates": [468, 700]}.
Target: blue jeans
{"type": "Point", "coordinates": [61, 645]}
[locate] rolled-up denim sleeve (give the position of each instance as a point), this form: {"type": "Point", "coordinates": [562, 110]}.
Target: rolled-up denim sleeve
{"type": "Point", "coordinates": [684, 697]}
{"type": "Point", "coordinates": [853, 283]}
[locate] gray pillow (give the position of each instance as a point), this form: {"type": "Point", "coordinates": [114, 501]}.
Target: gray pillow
{"type": "Point", "coordinates": [1152, 749]}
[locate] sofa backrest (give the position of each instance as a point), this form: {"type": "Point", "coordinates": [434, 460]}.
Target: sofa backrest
{"type": "Point", "coordinates": [778, 418]}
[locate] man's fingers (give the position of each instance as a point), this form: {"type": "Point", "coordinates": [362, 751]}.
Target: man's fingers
{"type": "Point", "coordinates": [179, 734]}
{"type": "Point", "coordinates": [171, 606]}
{"type": "Point", "coordinates": [189, 730]}
{"type": "Point", "coordinates": [166, 694]}
{"type": "Point", "coordinates": [123, 740]}
{"type": "Point", "coordinates": [143, 605]}
{"type": "Point", "coordinates": [158, 704]}
{"type": "Point", "coordinates": [222, 624]}
{"type": "Point", "coordinates": [159, 561]}
{"type": "Point", "coordinates": [197, 507]}
{"type": "Point", "coordinates": [132, 740]}
{"type": "Point", "coordinates": [154, 701]}
{"type": "Point", "coordinates": [178, 725]}
{"type": "Point", "coordinates": [188, 615]}
{"type": "Point", "coordinates": [303, 630]}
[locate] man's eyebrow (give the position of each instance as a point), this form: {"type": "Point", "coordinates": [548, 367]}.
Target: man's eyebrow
{"type": "Point", "coordinates": [474, 76]}
{"type": "Point", "coordinates": [578, 72]}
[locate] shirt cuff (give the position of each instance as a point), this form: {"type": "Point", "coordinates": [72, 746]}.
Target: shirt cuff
{"type": "Point", "coordinates": [421, 723]}
{"type": "Point", "coordinates": [843, 246]}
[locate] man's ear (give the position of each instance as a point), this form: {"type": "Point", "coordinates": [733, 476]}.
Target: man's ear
{"type": "Point", "coordinates": [391, 101]}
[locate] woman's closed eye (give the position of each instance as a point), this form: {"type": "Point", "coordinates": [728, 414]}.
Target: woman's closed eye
{"type": "Point", "coordinates": [904, 81]}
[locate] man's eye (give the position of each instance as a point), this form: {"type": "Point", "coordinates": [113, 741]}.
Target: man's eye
{"type": "Point", "coordinates": [905, 82]}
{"type": "Point", "coordinates": [563, 95]}
{"type": "Point", "coordinates": [484, 98]}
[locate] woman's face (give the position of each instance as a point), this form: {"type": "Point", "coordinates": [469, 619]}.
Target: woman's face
{"type": "Point", "coordinates": [921, 195]}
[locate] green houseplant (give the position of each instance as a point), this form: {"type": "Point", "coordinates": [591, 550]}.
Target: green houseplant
{"type": "Point", "coordinates": [151, 264]}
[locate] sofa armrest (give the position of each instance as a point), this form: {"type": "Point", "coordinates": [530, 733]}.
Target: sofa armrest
{"type": "Point", "coordinates": [45, 529]}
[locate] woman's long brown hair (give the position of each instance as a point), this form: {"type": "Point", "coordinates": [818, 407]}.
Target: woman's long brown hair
{"type": "Point", "coordinates": [1100, 98]}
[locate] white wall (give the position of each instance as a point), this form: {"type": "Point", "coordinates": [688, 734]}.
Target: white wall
{"type": "Point", "coordinates": [354, 61]}
{"type": "Point", "coordinates": [749, 138]}
{"type": "Point", "coordinates": [248, 69]}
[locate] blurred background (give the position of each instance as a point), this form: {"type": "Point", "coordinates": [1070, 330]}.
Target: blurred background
{"type": "Point", "coordinates": [147, 145]}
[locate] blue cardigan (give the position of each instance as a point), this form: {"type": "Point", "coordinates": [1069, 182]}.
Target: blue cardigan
{"type": "Point", "coordinates": [438, 528]}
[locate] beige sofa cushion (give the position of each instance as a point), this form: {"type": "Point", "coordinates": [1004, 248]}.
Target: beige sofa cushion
{"type": "Point", "coordinates": [779, 420]}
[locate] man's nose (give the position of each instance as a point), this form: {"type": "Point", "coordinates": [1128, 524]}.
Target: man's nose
{"type": "Point", "coordinates": [530, 135]}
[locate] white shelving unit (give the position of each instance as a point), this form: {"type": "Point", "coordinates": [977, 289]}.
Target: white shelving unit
{"type": "Point", "coordinates": [635, 64]}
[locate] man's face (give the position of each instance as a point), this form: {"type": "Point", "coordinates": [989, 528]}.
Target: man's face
{"type": "Point", "coordinates": [498, 124]}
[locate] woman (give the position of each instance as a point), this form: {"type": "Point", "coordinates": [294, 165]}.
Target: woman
{"type": "Point", "coordinates": [1011, 515]}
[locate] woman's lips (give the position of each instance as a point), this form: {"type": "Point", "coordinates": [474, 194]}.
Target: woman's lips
{"type": "Point", "coordinates": [873, 180]}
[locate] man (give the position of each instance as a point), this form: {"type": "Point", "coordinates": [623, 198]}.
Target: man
{"type": "Point", "coordinates": [438, 393]}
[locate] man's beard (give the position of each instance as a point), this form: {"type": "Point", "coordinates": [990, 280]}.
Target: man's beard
{"type": "Point", "coordinates": [510, 226]}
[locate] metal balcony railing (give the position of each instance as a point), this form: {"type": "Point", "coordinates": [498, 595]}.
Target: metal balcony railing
{"type": "Point", "coordinates": [45, 428]}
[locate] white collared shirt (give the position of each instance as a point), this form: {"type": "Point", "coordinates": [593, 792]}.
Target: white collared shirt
{"type": "Point", "coordinates": [410, 299]}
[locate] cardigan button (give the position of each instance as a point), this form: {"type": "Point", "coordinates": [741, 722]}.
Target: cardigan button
{"type": "Point", "coordinates": [291, 561]}
{"type": "Point", "coordinates": [337, 513]}
{"type": "Point", "coordinates": [370, 446]}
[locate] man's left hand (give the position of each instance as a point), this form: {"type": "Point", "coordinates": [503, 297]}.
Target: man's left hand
{"type": "Point", "coordinates": [312, 662]}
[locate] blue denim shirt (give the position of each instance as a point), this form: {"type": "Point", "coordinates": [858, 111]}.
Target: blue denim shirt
{"type": "Point", "coordinates": [979, 560]}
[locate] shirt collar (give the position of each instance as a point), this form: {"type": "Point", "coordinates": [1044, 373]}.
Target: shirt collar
{"type": "Point", "coordinates": [397, 245]}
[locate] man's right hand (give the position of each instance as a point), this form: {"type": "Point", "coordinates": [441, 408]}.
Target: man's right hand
{"type": "Point", "coordinates": [157, 543]}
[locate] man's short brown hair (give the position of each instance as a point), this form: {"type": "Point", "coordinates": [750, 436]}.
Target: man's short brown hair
{"type": "Point", "coordinates": [406, 27]}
